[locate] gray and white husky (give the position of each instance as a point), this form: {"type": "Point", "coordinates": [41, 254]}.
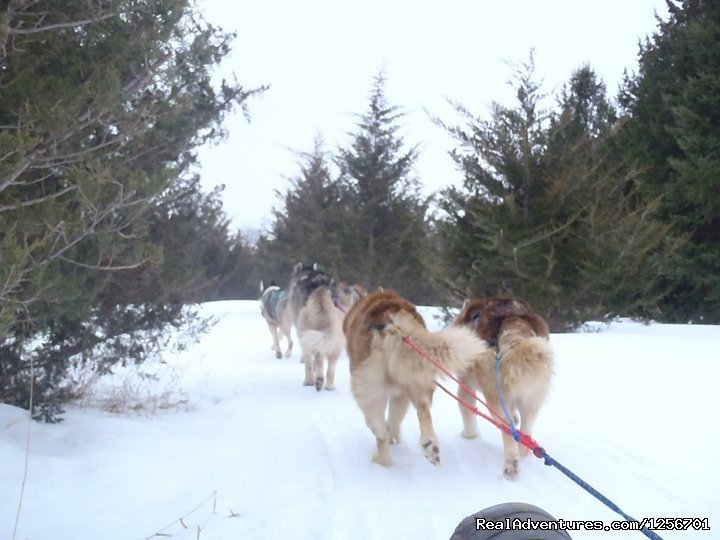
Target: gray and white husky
{"type": "Point", "coordinates": [275, 309]}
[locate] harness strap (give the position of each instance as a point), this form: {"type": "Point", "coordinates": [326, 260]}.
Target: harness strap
{"type": "Point", "coordinates": [274, 298]}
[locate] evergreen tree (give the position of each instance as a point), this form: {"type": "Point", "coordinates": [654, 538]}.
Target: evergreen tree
{"type": "Point", "coordinates": [307, 225]}
{"type": "Point", "coordinates": [672, 131]}
{"type": "Point", "coordinates": [240, 274]}
{"type": "Point", "coordinates": [544, 212]}
{"type": "Point", "coordinates": [103, 104]}
{"type": "Point", "coordinates": [384, 235]}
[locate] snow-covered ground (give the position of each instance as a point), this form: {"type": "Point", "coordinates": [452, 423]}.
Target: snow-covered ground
{"type": "Point", "coordinates": [254, 454]}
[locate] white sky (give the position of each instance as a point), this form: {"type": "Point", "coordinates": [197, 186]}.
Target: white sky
{"type": "Point", "coordinates": [320, 57]}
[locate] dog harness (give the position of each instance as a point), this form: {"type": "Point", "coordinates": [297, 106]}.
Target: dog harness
{"type": "Point", "coordinates": [273, 300]}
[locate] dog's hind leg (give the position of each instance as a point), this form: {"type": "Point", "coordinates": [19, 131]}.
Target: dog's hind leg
{"type": "Point", "coordinates": [288, 336]}
{"type": "Point", "coordinates": [330, 379]}
{"type": "Point", "coordinates": [374, 411]}
{"type": "Point", "coordinates": [510, 447]}
{"type": "Point", "coordinates": [372, 398]}
{"type": "Point", "coordinates": [276, 340]}
{"type": "Point", "coordinates": [528, 414]}
{"type": "Point", "coordinates": [319, 361]}
{"type": "Point", "coordinates": [468, 417]}
{"type": "Point", "coordinates": [286, 327]}
{"type": "Point", "coordinates": [428, 438]}
{"type": "Point", "coordinates": [398, 408]}
{"type": "Point", "coordinates": [307, 359]}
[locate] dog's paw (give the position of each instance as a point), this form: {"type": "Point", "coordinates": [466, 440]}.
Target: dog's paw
{"type": "Point", "coordinates": [330, 387]}
{"type": "Point", "coordinates": [469, 433]}
{"type": "Point", "coordinates": [382, 459]}
{"type": "Point", "coordinates": [278, 355]}
{"type": "Point", "coordinates": [288, 354]}
{"type": "Point", "coordinates": [308, 383]}
{"type": "Point", "coordinates": [431, 449]}
{"type": "Point", "coordinates": [319, 383]}
{"type": "Point", "coordinates": [510, 469]}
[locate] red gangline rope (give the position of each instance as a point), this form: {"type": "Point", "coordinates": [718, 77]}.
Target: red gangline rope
{"type": "Point", "coordinates": [523, 438]}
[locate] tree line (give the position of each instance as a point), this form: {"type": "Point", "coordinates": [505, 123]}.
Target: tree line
{"type": "Point", "coordinates": [587, 205]}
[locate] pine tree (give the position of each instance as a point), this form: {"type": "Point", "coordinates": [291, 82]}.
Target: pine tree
{"type": "Point", "coordinates": [672, 130]}
{"type": "Point", "coordinates": [544, 212]}
{"type": "Point", "coordinates": [103, 105]}
{"type": "Point", "coordinates": [384, 235]}
{"type": "Point", "coordinates": [307, 224]}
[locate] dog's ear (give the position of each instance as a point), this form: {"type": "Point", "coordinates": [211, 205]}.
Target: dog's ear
{"type": "Point", "coordinates": [458, 294]}
{"type": "Point", "coordinates": [466, 303]}
{"type": "Point", "coordinates": [298, 267]}
{"type": "Point", "coordinates": [262, 286]}
{"type": "Point", "coordinates": [360, 291]}
{"type": "Point", "coordinates": [315, 266]}
{"type": "Point", "coordinates": [380, 289]}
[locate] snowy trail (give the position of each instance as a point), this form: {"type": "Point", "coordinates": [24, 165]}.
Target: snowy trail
{"type": "Point", "coordinates": [630, 411]}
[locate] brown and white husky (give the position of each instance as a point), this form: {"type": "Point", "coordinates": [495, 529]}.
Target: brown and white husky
{"type": "Point", "coordinates": [520, 337]}
{"type": "Point", "coordinates": [385, 370]}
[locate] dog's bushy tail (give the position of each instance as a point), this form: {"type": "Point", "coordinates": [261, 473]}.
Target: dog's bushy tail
{"type": "Point", "coordinates": [529, 358]}
{"type": "Point", "coordinates": [455, 348]}
{"type": "Point", "coordinates": [320, 324]}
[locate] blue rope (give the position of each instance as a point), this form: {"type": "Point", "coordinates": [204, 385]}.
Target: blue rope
{"type": "Point", "coordinates": [551, 461]}
{"type": "Point", "coordinates": [498, 383]}
{"type": "Point", "coordinates": [595, 493]}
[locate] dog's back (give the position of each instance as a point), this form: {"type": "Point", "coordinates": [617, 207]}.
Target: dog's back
{"type": "Point", "coordinates": [492, 315]}
{"type": "Point", "coordinates": [273, 302]}
{"type": "Point", "coordinates": [304, 281]}
{"type": "Point", "coordinates": [370, 313]}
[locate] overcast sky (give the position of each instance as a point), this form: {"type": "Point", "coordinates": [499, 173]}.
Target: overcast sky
{"type": "Point", "coordinates": [320, 58]}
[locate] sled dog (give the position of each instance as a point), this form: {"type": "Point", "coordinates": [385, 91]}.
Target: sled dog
{"type": "Point", "coordinates": [520, 337]}
{"type": "Point", "coordinates": [275, 309]}
{"type": "Point", "coordinates": [385, 370]}
{"type": "Point", "coordinates": [318, 305]}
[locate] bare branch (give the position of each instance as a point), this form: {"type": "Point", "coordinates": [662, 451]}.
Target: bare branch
{"type": "Point", "coordinates": [71, 24]}
{"type": "Point", "coordinates": [108, 267]}
{"type": "Point", "coordinates": [38, 200]}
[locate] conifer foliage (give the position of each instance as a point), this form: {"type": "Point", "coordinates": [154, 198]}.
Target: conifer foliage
{"type": "Point", "coordinates": [545, 212]}
{"type": "Point", "coordinates": [102, 103]}
{"type": "Point", "coordinates": [358, 213]}
{"type": "Point", "coordinates": [307, 225]}
{"type": "Point", "coordinates": [673, 133]}
{"type": "Point", "coordinates": [385, 240]}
